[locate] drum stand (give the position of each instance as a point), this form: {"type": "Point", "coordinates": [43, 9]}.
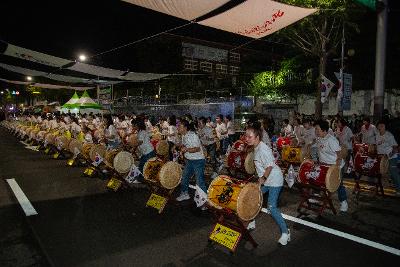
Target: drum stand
{"type": "Point", "coordinates": [315, 199]}
{"type": "Point", "coordinates": [230, 219]}
{"type": "Point", "coordinates": [155, 188]}
{"type": "Point", "coordinates": [377, 184]}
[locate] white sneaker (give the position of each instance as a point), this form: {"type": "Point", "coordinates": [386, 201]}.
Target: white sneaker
{"type": "Point", "coordinates": [344, 206]}
{"type": "Point", "coordinates": [136, 181]}
{"type": "Point", "coordinates": [285, 238]}
{"type": "Point", "coordinates": [252, 225]}
{"type": "Point", "coordinates": [183, 196]}
{"type": "Point", "coordinates": [214, 175]}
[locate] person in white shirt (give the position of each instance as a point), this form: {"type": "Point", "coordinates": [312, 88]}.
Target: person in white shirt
{"type": "Point", "coordinates": [74, 127]}
{"type": "Point", "coordinates": [270, 177]}
{"type": "Point", "coordinates": [222, 133]}
{"type": "Point", "coordinates": [230, 128]}
{"type": "Point", "coordinates": [287, 129]}
{"type": "Point", "coordinates": [345, 136]}
{"type": "Point", "coordinates": [194, 158]}
{"type": "Point", "coordinates": [53, 124]}
{"type": "Point", "coordinates": [210, 123]}
{"type": "Point", "coordinates": [387, 145]}
{"type": "Point", "coordinates": [144, 147]}
{"type": "Point", "coordinates": [172, 136]}
{"type": "Point", "coordinates": [328, 154]}
{"type": "Point", "coordinates": [368, 132]}
{"type": "Point", "coordinates": [206, 136]}
{"type": "Point", "coordinates": [298, 131]}
{"type": "Point", "coordinates": [149, 126]}
{"type": "Point", "coordinates": [265, 136]}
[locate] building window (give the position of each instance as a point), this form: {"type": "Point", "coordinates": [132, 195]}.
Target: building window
{"type": "Point", "coordinates": [190, 64]}
{"type": "Point", "coordinates": [234, 57]}
{"type": "Point", "coordinates": [233, 70]}
{"type": "Point", "coordinates": [221, 68]}
{"type": "Point", "coordinates": [206, 66]}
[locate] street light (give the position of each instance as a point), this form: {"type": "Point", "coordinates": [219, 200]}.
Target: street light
{"type": "Point", "coordinates": [82, 57]}
{"type": "Point", "coordinates": [29, 78]}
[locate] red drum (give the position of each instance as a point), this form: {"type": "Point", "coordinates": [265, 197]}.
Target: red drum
{"type": "Point", "coordinates": [370, 165]}
{"type": "Point", "coordinates": [283, 141]}
{"type": "Point", "coordinates": [239, 145]}
{"type": "Point", "coordinates": [325, 176]}
{"type": "Point", "coordinates": [241, 161]}
{"type": "Point", "coordinates": [360, 147]}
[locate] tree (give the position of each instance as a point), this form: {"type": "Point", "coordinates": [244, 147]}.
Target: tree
{"type": "Point", "coordinates": [320, 34]}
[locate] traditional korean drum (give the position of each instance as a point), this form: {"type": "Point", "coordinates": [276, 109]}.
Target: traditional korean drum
{"type": "Point", "coordinates": [167, 174]}
{"type": "Point", "coordinates": [245, 199]}
{"type": "Point", "coordinates": [365, 149]}
{"type": "Point", "coordinates": [97, 149]}
{"type": "Point", "coordinates": [292, 154]}
{"type": "Point", "coordinates": [325, 176]}
{"type": "Point", "coordinates": [371, 165]}
{"type": "Point", "coordinates": [109, 156]}
{"type": "Point", "coordinates": [86, 147]}
{"type": "Point", "coordinates": [123, 162]}
{"type": "Point", "coordinates": [283, 141]}
{"type": "Point", "coordinates": [50, 138]}
{"type": "Point", "coordinates": [62, 142]}
{"type": "Point", "coordinates": [162, 148]}
{"type": "Point", "coordinates": [241, 161]}
{"type": "Point", "coordinates": [75, 146]}
{"type": "Point", "coordinates": [98, 134]}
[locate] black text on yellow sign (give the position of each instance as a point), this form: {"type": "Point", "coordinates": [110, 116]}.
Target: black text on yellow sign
{"type": "Point", "coordinates": [114, 184]}
{"type": "Point", "coordinates": [225, 236]}
{"type": "Point", "coordinates": [157, 202]}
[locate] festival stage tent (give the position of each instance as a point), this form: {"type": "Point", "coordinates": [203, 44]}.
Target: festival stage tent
{"type": "Point", "coordinates": [87, 105]}
{"type": "Point", "coordinates": [71, 105]}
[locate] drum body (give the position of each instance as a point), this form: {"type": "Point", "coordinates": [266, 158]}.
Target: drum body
{"type": "Point", "coordinates": [324, 176]}
{"type": "Point", "coordinates": [75, 146]}
{"type": "Point", "coordinates": [109, 157]}
{"type": "Point", "coordinates": [245, 199]}
{"type": "Point", "coordinates": [97, 149]}
{"type": "Point", "coordinates": [239, 145]}
{"type": "Point", "coordinates": [86, 147]}
{"type": "Point", "coordinates": [283, 141]}
{"type": "Point", "coordinates": [241, 161]}
{"type": "Point", "coordinates": [162, 148]}
{"type": "Point", "coordinates": [62, 142]}
{"type": "Point", "coordinates": [167, 174]}
{"type": "Point", "coordinates": [292, 154]}
{"type": "Point", "coordinates": [371, 165]}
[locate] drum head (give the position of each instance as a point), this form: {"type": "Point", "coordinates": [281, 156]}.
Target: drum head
{"type": "Point", "coordinates": [215, 189]}
{"type": "Point", "coordinates": [249, 202]}
{"type": "Point", "coordinates": [97, 149]}
{"type": "Point", "coordinates": [332, 179]}
{"type": "Point", "coordinates": [384, 165]}
{"type": "Point", "coordinates": [123, 162]}
{"type": "Point", "coordinates": [75, 145]}
{"type": "Point", "coordinates": [249, 163]}
{"type": "Point", "coordinates": [170, 175]}
{"type": "Point", "coordinates": [162, 148]}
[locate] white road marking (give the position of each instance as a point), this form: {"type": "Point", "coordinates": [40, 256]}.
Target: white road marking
{"type": "Point", "coordinates": [341, 234]}
{"type": "Point", "coordinates": [21, 197]}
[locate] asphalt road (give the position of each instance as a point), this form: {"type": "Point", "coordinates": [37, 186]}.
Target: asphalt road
{"type": "Point", "coordinates": [81, 223]}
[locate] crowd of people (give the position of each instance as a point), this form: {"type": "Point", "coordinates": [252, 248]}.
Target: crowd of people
{"type": "Point", "coordinates": [201, 141]}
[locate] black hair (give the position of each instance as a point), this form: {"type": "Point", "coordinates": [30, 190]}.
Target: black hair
{"type": "Point", "coordinates": [367, 119]}
{"type": "Point", "coordinates": [172, 120]}
{"type": "Point", "coordinates": [286, 121]}
{"type": "Point", "coordinates": [381, 122]}
{"type": "Point", "coordinates": [203, 120]}
{"type": "Point", "coordinates": [255, 127]}
{"type": "Point", "coordinates": [140, 124]}
{"type": "Point", "coordinates": [323, 124]}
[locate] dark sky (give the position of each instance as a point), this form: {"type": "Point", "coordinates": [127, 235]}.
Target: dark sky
{"type": "Point", "coordinates": [67, 28]}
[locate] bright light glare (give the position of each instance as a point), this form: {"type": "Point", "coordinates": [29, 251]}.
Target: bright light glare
{"type": "Point", "coordinates": [29, 78]}
{"type": "Point", "coordinates": [82, 57]}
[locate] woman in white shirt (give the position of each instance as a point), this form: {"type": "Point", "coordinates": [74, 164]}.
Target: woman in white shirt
{"type": "Point", "coordinates": [194, 158]}
{"type": "Point", "coordinates": [270, 177]}
{"type": "Point", "coordinates": [172, 135]}
{"type": "Point", "coordinates": [111, 134]}
{"type": "Point", "coordinates": [231, 129]}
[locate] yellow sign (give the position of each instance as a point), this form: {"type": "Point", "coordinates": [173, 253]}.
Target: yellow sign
{"type": "Point", "coordinates": [157, 202]}
{"type": "Point", "coordinates": [89, 171]}
{"type": "Point", "coordinates": [225, 236]}
{"type": "Point", "coordinates": [114, 184]}
{"type": "Point", "coordinates": [70, 162]}
{"type": "Point", "coordinates": [56, 155]}
{"type": "Point", "coordinates": [68, 134]}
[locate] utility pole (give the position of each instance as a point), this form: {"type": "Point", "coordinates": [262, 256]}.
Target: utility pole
{"type": "Point", "coordinates": [340, 95]}
{"type": "Point", "coordinates": [379, 90]}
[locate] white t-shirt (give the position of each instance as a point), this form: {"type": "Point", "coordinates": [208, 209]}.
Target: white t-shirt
{"type": "Point", "coordinates": [385, 144]}
{"type": "Point", "coordinates": [368, 135]}
{"type": "Point", "coordinates": [327, 148]}
{"type": "Point", "coordinates": [191, 140]}
{"type": "Point", "coordinates": [230, 127]}
{"type": "Point", "coordinates": [53, 124]}
{"type": "Point", "coordinates": [345, 136]}
{"type": "Point", "coordinates": [221, 129]}
{"type": "Point", "coordinates": [206, 136]}
{"type": "Point", "coordinates": [88, 138]}
{"type": "Point", "coordinates": [309, 135]}
{"type": "Point", "coordinates": [172, 130]}
{"type": "Point", "coordinates": [75, 128]}
{"type": "Point", "coordinates": [265, 138]}
{"type": "Point", "coordinates": [112, 133]}
{"type": "Point", "coordinates": [146, 147]}
{"type": "Point", "coordinates": [263, 158]}
{"type": "Point", "coordinates": [149, 127]}
{"type": "Point", "coordinates": [287, 130]}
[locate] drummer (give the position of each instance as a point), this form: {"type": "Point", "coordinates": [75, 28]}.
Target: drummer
{"type": "Point", "coordinates": [344, 135]}
{"type": "Point", "coordinates": [368, 132]}
{"type": "Point", "coordinates": [387, 145]}
{"type": "Point", "coordinates": [270, 177]}
{"type": "Point", "coordinates": [328, 154]}
{"type": "Point", "coordinates": [287, 129]}
{"type": "Point", "coordinates": [298, 131]}
{"type": "Point", "coordinates": [194, 157]}
{"type": "Point", "coordinates": [111, 134]}
{"type": "Point", "coordinates": [172, 136]}
{"type": "Point", "coordinates": [207, 140]}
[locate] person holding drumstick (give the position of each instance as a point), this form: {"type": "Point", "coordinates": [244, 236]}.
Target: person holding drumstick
{"type": "Point", "coordinates": [270, 177]}
{"type": "Point", "coordinates": [328, 154]}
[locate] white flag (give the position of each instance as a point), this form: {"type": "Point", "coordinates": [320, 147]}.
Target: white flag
{"type": "Point", "coordinates": [326, 87]}
{"type": "Point", "coordinates": [133, 173]}
{"type": "Point", "coordinates": [200, 197]}
{"type": "Point", "coordinates": [291, 176]}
